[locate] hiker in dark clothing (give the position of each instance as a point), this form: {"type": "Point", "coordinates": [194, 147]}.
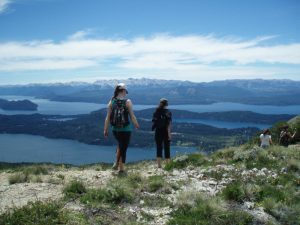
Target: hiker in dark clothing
{"type": "Point", "coordinates": [162, 119]}
{"type": "Point", "coordinates": [118, 110]}
{"type": "Point", "coordinates": [285, 136]}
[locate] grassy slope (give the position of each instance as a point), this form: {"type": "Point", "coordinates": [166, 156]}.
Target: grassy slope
{"type": "Point", "coordinates": [268, 179]}
{"type": "Point", "coordinates": [237, 185]}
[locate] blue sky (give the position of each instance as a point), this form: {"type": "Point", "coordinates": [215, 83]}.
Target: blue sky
{"type": "Point", "coordinates": [197, 40]}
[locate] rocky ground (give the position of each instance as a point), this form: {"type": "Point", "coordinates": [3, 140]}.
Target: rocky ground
{"type": "Point", "coordinates": [209, 180]}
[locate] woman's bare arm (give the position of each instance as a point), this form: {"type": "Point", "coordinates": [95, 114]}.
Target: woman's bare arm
{"type": "Point", "coordinates": [107, 119]}
{"type": "Point", "coordinates": [131, 114]}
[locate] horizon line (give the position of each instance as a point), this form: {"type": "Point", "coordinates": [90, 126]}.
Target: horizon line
{"type": "Point", "coordinates": [142, 78]}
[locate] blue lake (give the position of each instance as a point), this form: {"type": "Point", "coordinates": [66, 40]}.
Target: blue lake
{"type": "Point", "coordinates": [30, 148]}
{"type": "Point", "coordinates": [57, 108]}
{"type": "Point", "coordinates": [223, 124]}
{"type": "Point", "coordinates": [74, 108]}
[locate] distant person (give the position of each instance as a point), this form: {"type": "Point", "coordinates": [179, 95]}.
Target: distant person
{"type": "Point", "coordinates": [265, 139]}
{"type": "Point", "coordinates": [285, 136]}
{"type": "Point", "coordinates": [162, 119]}
{"type": "Point", "coordinates": [119, 110]}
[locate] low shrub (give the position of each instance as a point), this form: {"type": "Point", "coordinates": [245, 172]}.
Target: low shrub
{"type": "Point", "coordinates": [271, 191]}
{"type": "Point", "coordinates": [209, 212]}
{"type": "Point", "coordinates": [61, 176]}
{"type": "Point", "coordinates": [224, 154]}
{"type": "Point", "coordinates": [36, 170]}
{"type": "Point", "coordinates": [74, 189]}
{"type": "Point", "coordinates": [287, 178]}
{"type": "Point", "coordinates": [293, 165]}
{"type": "Point", "coordinates": [285, 214]}
{"type": "Point", "coordinates": [218, 175]}
{"type": "Point", "coordinates": [117, 194]}
{"type": "Point", "coordinates": [134, 180]}
{"type": "Point", "coordinates": [262, 160]}
{"type": "Point", "coordinates": [234, 192]}
{"type": "Point", "coordinates": [155, 183]}
{"type": "Point", "coordinates": [113, 195]}
{"type": "Point", "coordinates": [35, 213]}
{"type": "Point", "coordinates": [180, 162]}
{"type": "Point", "coordinates": [155, 200]}
{"type": "Point", "coordinates": [18, 178]}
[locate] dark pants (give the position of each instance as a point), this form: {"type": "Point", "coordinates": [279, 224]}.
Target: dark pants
{"type": "Point", "coordinates": [123, 138]}
{"type": "Point", "coordinates": [162, 141]}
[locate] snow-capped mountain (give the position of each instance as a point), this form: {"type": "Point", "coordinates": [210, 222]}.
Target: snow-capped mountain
{"type": "Point", "coordinates": [148, 91]}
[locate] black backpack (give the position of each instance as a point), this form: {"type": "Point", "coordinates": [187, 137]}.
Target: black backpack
{"type": "Point", "coordinates": [119, 113]}
{"type": "Point", "coordinates": [284, 138]}
{"type": "Point", "coordinates": [161, 119]}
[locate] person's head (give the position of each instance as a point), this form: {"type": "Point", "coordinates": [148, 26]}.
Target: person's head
{"type": "Point", "coordinates": [266, 131]}
{"type": "Point", "coordinates": [120, 90]}
{"type": "Point", "coordinates": [286, 127]}
{"type": "Point", "coordinates": [163, 103]}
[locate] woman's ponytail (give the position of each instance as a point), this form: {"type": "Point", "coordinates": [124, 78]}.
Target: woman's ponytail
{"type": "Point", "coordinates": [116, 92]}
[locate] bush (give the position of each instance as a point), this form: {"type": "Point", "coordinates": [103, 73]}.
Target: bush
{"type": "Point", "coordinates": [271, 191]}
{"type": "Point", "coordinates": [246, 154]}
{"type": "Point", "coordinates": [113, 195]}
{"type": "Point", "coordinates": [74, 189]}
{"type": "Point", "coordinates": [293, 165]}
{"type": "Point", "coordinates": [285, 214]}
{"type": "Point", "coordinates": [155, 183]}
{"type": "Point", "coordinates": [224, 154]}
{"type": "Point", "coordinates": [35, 213]}
{"type": "Point", "coordinates": [208, 212]}
{"type": "Point", "coordinates": [155, 200]}
{"type": "Point", "coordinates": [263, 160]}
{"type": "Point", "coordinates": [117, 191]}
{"type": "Point", "coordinates": [234, 192]}
{"type": "Point", "coordinates": [93, 196]}
{"type": "Point", "coordinates": [117, 194]}
{"type": "Point", "coordinates": [18, 178]}
{"type": "Point", "coordinates": [288, 178]}
{"type": "Point", "coordinates": [36, 170]}
{"type": "Point", "coordinates": [250, 191]}
{"type": "Point", "coordinates": [27, 174]}
{"type": "Point", "coordinates": [180, 162]}
{"type": "Point", "coordinates": [133, 180]}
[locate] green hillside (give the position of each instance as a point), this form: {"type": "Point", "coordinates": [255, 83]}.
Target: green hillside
{"type": "Point", "coordinates": [236, 185]}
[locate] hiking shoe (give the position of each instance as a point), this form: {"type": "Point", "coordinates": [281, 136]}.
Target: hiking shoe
{"type": "Point", "coordinates": [115, 166]}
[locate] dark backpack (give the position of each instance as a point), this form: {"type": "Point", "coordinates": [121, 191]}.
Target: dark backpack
{"type": "Point", "coordinates": [284, 138]}
{"type": "Point", "coordinates": [119, 113]}
{"type": "Point", "coordinates": [161, 119]}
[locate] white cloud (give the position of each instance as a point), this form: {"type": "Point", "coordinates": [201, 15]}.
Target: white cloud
{"type": "Point", "coordinates": [80, 35]}
{"type": "Point", "coordinates": [45, 65]}
{"type": "Point", "coordinates": [190, 55]}
{"type": "Point", "coordinates": [4, 5]}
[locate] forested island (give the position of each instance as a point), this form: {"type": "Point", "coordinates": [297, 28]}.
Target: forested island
{"type": "Point", "coordinates": [18, 105]}
{"type": "Point", "coordinates": [89, 130]}
{"type": "Point", "coordinates": [228, 116]}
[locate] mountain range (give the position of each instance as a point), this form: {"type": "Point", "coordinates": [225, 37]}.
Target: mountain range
{"type": "Point", "coordinates": [149, 91]}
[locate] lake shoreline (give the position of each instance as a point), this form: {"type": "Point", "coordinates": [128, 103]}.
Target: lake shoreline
{"type": "Point", "coordinates": [74, 108]}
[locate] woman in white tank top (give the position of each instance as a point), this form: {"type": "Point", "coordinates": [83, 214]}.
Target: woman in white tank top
{"type": "Point", "coordinates": [265, 139]}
